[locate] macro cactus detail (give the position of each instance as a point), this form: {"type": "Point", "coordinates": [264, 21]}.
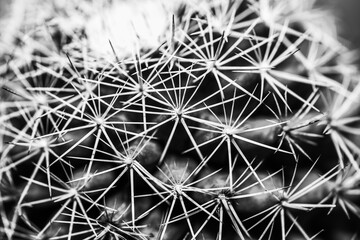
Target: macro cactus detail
{"type": "Point", "coordinates": [191, 119]}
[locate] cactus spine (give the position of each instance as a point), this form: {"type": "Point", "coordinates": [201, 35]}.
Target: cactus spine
{"type": "Point", "coordinates": [193, 119]}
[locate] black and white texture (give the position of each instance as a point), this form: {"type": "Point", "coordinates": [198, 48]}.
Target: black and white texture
{"type": "Point", "coordinates": [191, 119]}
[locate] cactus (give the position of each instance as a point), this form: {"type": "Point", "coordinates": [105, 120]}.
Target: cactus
{"type": "Point", "coordinates": [193, 119]}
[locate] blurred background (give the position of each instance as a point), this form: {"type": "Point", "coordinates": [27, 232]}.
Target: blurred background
{"type": "Point", "coordinates": [348, 14]}
{"type": "Point", "coordinates": [346, 11]}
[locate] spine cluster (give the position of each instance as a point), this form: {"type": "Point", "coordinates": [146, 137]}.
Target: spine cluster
{"type": "Point", "coordinates": [192, 119]}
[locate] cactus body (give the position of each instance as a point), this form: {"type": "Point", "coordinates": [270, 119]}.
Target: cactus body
{"type": "Point", "coordinates": [192, 119]}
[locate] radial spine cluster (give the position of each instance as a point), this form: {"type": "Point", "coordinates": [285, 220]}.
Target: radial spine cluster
{"type": "Point", "coordinates": [190, 119]}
